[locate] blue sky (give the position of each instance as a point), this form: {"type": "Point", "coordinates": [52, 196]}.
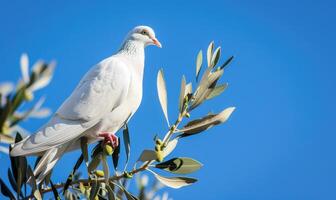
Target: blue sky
{"type": "Point", "coordinates": [278, 144]}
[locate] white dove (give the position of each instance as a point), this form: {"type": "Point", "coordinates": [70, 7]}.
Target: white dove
{"type": "Point", "coordinates": [104, 100]}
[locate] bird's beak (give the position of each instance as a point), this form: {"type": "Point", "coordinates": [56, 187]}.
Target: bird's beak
{"type": "Point", "coordinates": [157, 43]}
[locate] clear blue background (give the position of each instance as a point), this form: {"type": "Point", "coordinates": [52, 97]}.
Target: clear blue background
{"type": "Point", "coordinates": [280, 141]}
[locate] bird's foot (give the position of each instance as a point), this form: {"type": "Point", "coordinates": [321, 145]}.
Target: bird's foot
{"type": "Point", "coordinates": [110, 138]}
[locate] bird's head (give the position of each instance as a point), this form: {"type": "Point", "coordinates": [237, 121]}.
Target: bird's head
{"type": "Point", "coordinates": [144, 34]}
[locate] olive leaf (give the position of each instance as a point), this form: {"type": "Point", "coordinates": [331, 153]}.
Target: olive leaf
{"type": "Point", "coordinates": [73, 172]}
{"type": "Point", "coordinates": [127, 143]}
{"type": "Point", "coordinates": [182, 93]}
{"type": "Point", "coordinates": [217, 91]}
{"type": "Point", "coordinates": [174, 182]}
{"type": "Point", "coordinates": [162, 93]}
{"type": "Point", "coordinates": [209, 53]}
{"type": "Point", "coordinates": [11, 179]}
{"type": "Point", "coordinates": [115, 156]}
{"type": "Point", "coordinates": [24, 64]}
{"type": "Point", "coordinates": [95, 162]}
{"type": "Point", "coordinates": [170, 147]}
{"type": "Point", "coordinates": [215, 57]}
{"type": "Point", "coordinates": [180, 165]}
{"type": "Point", "coordinates": [147, 155]}
{"type": "Point", "coordinates": [206, 86]}
{"type": "Point", "coordinates": [5, 190]}
{"type": "Point", "coordinates": [105, 168]}
{"type": "Point", "coordinates": [110, 193]}
{"type": "Point", "coordinates": [188, 89]}
{"type": "Point", "coordinates": [55, 192]}
{"type": "Point", "coordinates": [84, 148]}
{"type": "Point", "coordinates": [128, 195]}
{"type": "Point", "coordinates": [199, 61]}
{"type": "Point", "coordinates": [199, 125]}
{"type": "Point", "coordinates": [227, 62]}
{"type": "Point", "coordinates": [94, 189]}
{"type": "Point", "coordinates": [35, 191]}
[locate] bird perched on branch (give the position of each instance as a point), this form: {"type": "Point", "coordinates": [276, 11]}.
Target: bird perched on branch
{"type": "Point", "coordinates": [104, 100]}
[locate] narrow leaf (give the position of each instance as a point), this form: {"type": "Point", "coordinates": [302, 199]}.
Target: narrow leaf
{"type": "Point", "coordinates": [72, 174]}
{"type": "Point", "coordinates": [94, 189]}
{"type": "Point", "coordinates": [24, 68]}
{"type": "Point", "coordinates": [5, 190]}
{"type": "Point", "coordinates": [215, 57]}
{"type": "Point", "coordinates": [95, 162]}
{"type": "Point", "coordinates": [199, 125]}
{"type": "Point", "coordinates": [110, 193]}
{"type": "Point", "coordinates": [209, 53]}
{"type": "Point", "coordinates": [170, 147]}
{"type": "Point", "coordinates": [228, 61]}
{"type": "Point", "coordinates": [180, 165]}
{"type": "Point", "coordinates": [55, 192]}
{"type": "Point", "coordinates": [207, 84]}
{"type": "Point", "coordinates": [84, 148]}
{"type": "Point", "coordinates": [11, 179]}
{"type": "Point", "coordinates": [174, 182]}
{"type": "Point", "coordinates": [106, 169]}
{"type": "Point", "coordinates": [217, 91]}
{"type": "Point", "coordinates": [199, 61]}
{"type": "Point", "coordinates": [127, 143]}
{"type": "Point", "coordinates": [162, 93]}
{"type": "Point", "coordinates": [115, 156]}
{"type": "Point", "coordinates": [147, 155]}
{"type": "Point", "coordinates": [182, 93]}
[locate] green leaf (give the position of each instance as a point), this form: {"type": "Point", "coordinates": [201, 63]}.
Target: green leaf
{"type": "Point", "coordinates": [199, 125]}
{"type": "Point", "coordinates": [94, 189]}
{"type": "Point", "coordinates": [110, 193]}
{"type": "Point", "coordinates": [115, 156]}
{"type": "Point", "coordinates": [84, 148]}
{"type": "Point", "coordinates": [170, 147]}
{"type": "Point", "coordinates": [55, 192]}
{"type": "Point", "coordinates": [217, 91]}
{"type": "Point", "coordinates": [106, 168]}
{"type": "Point", "coordinates": [182, 93]}
{"type": "Point", "coordinates": [199, 61]}
{"type": "Point", "coordinates": [32, 179]}
{"type": "Point", "coordinates": [127, 143]}
{"type": "Point", "coordinates": [208, 82]}
{"type": "Point", "coordinates": [24, 63]}
{"type": "Point", "coordinates": [6, 111]}
{"type": "Point", "coordinates": [11, 179]}
{"type": "Point", "coordinates": [21, 178]}
{"type": "Point", "coordinates": [35, 191]}
{"type": "Point", "coordinates": [180, 165]}
{"type": "Point", "coordinates": [128, 195]}
{"type": "Point", "coordinates": [95, 162]}
{"type": "Point", "coordinates": [174, 182]}
{"type": "Point", "coordinates": [5, 190]}
{"type": "Point", "coordinates": [72, 174]}
{"type": "Point", "coordinates": [209, 53]}
{"type": "Point", "coordinates": [228, 61]}
{"type": "Point", "coordinates": [162, 93]}
{"type": "Point", "coordinates": [215, 57]}
{"type": "Point", "coordinates": [147, 155]}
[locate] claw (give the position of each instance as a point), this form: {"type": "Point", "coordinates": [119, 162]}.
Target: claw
{"type": "Point", "coordinates": [110, 138]}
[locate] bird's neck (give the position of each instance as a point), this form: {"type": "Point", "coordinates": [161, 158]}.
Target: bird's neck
{"type": "Point", "coordinates": [135, 51]}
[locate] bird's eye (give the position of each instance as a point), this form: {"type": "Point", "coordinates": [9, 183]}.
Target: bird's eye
{"type": "Point", "coordinates": [144, 32]}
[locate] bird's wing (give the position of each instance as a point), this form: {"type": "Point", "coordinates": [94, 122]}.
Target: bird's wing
{"type": "Point", "coordinates": [101, 90]}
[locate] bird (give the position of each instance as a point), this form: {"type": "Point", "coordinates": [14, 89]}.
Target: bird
{"type": "Point", "coordinates": [101, 104]}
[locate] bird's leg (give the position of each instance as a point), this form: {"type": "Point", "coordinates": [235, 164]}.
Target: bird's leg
{"type": "Point", "coordinates": [110, 138]}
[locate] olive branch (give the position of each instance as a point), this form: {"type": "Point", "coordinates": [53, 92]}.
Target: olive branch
{"type": "Point", "coordinates": [104, 184]}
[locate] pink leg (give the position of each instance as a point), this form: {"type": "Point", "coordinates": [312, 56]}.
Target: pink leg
{"type": "Point", "coordinates": [110, 138]}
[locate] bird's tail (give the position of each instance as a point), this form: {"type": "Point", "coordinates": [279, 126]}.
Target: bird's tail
{"type": "Point", "coordinates": [48, 161]}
